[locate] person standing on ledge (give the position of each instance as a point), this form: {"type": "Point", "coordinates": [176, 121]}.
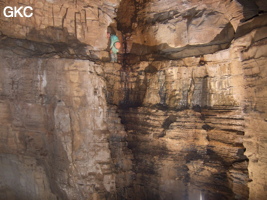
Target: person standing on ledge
{"type": "Point", "coordinates": [114, 46]}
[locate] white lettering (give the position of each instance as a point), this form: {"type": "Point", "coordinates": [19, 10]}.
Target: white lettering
{"type": "Point", "coordinates": [14, 12]}
{"type": "Point", "coordinates": [8, 13]}
{"type": "Point", "coordinates": [17, 11]}
{"type": "Point", "coordinates": [24, 11]}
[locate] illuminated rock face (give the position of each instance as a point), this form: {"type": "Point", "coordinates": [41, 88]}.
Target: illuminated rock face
{"type": "Point", "coordinates": [62, 21]}
{"type": "Point", "coordinates": [182, 117]}
{"type": "Point", "coordinates": [79, 24]}
{"type": "Point", "coordinates": [55, 115]}
{"type": "Point", "coordinates": [173, 29]}
{"type": "Point", "coordinates": [190, 121]}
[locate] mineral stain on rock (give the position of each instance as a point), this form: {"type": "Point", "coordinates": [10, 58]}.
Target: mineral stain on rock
{"type": "Point", "coordinates": [181, 116]}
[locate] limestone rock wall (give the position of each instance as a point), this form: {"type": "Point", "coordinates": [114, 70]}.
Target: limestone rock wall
{"type": "Point", "coordinates": [62, 21]}
{"type": "Point", "coordinates": [185, 128]}
{"type": "Point", "coordinates": [55, 131]}
{"type": "Point", "coordinates": [254, 71]}
{"type": "Point", "coordinates": [183, 117]}
{"type": "Point", "coordinates": [191, 122]}
{"type": "Point", "coordinates": [173, 29]}
{"type": "Point", "coordinates": [75, 28]}
{"type": "Point", "coordinates": [22, 178]}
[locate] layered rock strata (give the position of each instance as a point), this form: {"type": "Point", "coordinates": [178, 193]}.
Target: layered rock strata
{"type": "Point", "coordinates": [186, 135]}
{"type": "Point", "coordinates": [173, 29]}
{"type": "Point", "coordinates": [190, 121]}
{"type": "Point", "coordinates": [184, 117]}
{"type": "Point", "coordinates": [57, 132]}
{"type": "Point", "coordinates": [70, 24]}
{"type": "Point", "coordinates": [62, 21]}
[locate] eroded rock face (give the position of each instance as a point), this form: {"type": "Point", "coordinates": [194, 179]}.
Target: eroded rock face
{"type": "Point", "coordinates": [22, 178]}
{"type": "Point", "coordinates": [183, 117]}
{"type": "Point", "coordinates": [187, 130]}
{"type": "Point", "coordinates": [190, 121]}
{"type": "Point", "coordinates": [74, 27]}
{"type": "Point", "coordinates": [54, 113]}
{"type": "Point", "coordinates": [62, 21]}
{"type": "Point", "coordinates": [173, 29]}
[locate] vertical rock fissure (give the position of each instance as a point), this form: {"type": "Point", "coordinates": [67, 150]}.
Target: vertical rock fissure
{"type": "Point", "coordinates": [214, 151]}
{"type": "Point", "coordinates": [182, 116]}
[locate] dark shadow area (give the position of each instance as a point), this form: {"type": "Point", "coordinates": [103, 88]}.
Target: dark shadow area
{"type": "Point", "coordinates": [69, 47]}
{"type": "Point", "coordinates": [126, 16]}
{"type": "Point", "coordinates": [143, 52]}
{"type": "Point", "coordinates": [166, 124]}
{"type": "Point", "coordinates": [250, 9]}
{"type": "Point", "coordinates": [134, 96]}
{"type": "Point", "coordinates": [255, 23]}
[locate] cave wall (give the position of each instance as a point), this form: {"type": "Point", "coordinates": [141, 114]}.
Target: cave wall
{"type": "Point", "coordinates": [254, 71]}
{"type": "Point", "coordinates": [62, 21]}
{"type": "Point", "coordinates": [174, 29]}
{"type": "Point", "coordinates": [22, 178]}
{"type": "Point", "coordinates": [185, 127]}
{"type": "Point", "coordinates": [82, 25]}
{"type": "Point", "coordinates": [190, 121]}
{"type": "Point", "coordinates": [183, 116]}
{"type": "Point", "coordinates": [54, 123]}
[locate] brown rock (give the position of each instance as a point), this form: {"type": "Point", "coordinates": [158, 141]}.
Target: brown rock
{"type": "Point", "coordinates": [182, 117]}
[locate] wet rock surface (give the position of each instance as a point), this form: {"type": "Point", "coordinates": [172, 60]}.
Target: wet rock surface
{"type": "Point", "coordinates": [189, 121]}
{"type": "Point", "coordinates": [46, 117]}
{"type": "Point", "coordinates": [182, 116]}
{"type": "Point", "coordinates": [195, 153]}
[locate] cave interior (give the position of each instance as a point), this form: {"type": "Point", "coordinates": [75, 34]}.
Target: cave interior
{"type": "Point", "coordinates": [182, 115]}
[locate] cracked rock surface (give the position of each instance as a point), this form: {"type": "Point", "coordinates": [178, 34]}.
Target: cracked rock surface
{"type": "Point", "coordinates": [182, 115]}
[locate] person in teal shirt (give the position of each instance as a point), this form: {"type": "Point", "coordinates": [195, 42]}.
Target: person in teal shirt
{"type": "Point", "coordinates": [114, 47]}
